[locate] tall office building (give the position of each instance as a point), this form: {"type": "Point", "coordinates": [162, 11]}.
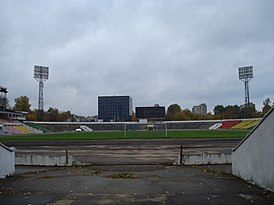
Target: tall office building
{"type": "Point", "coordinates": [200, 109]}
{"type": "Point", "coordinates": [115, 108]}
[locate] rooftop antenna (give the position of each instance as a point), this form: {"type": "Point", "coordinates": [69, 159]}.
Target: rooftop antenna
{"type": "Point", "coordinates": [41, 74]}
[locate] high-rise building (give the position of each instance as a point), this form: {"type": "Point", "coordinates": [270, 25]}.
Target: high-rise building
{"type": "Point", "coordinates": [200, 109]}
{"type": "Point", "coordinates": [114, 108]}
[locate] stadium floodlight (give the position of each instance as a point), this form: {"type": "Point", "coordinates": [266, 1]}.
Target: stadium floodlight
{"type": "Point", "coordinates": [3, 90]}
{"type": "Point", "coordinates": [41, 74]}
{"type": "Point", "coordinates": [245, 75]}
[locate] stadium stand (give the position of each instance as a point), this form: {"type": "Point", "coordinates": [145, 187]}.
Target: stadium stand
{"type": "Point", "coordinates": [215, 126]}
{"type": "Point", "coordinates": [22, 129]}
{"type": "Point", "coordinates": [190, 125]}
{"type": "Point", "coordinates": [206, 125]}
{"type": "Point", "coordinates": [11, 130]}
{"type": "Point", "coordinates": [227, 124]}
{"type": "Point", "coordinates": [107, 127]}
{"type": "Point", "coordinates": [246, 124]}
{"type": "Point", "coordinates": [13, 127]}
{"type": "Point", "coordinates": [252, 124]}
{"type": "Point", "coordinates": [38, 127]}
{"type": "Point", "coordinates": [86, 128]}
{"type": "Point", "coordinates": [47, 127]}
{"type": "Point", "coordinates": [32, 130]}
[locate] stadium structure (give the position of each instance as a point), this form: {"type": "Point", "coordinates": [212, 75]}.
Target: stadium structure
{"type": "Point", "coordinates": [14, 123]}
{"type": "Point", "coordinates": [3, 97]}
{"type": "Point", "coordinates": [11, 122]}
{"type": "Point", "coordinates": [246, 75]}
{"type": "Point", "coordinates": [152, 114]}
{"type": "Point", "coordinates": [114, 108]}
{"type": "Point", "coordinates": [41, 74]}
{"type": "Point", "coordinates": [51, 127]}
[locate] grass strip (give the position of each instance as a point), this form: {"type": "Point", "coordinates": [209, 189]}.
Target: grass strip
{"type": "Point", "coordinates": [131, 135]}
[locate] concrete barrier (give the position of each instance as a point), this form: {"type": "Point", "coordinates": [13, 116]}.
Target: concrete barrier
{"type": "Point", "coordinates": [205, 158]}
{"type": "Point", "coordinates": [44, 160]}
{"type": "Point", "coordinates": [7, 166]}
{"type": "Point", "coordinates": [253, 158]}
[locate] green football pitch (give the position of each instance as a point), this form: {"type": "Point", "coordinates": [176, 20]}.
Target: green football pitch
{"type": "Point", "coordinates": [130, 135]}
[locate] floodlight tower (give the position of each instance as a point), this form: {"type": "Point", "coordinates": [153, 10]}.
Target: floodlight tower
{"type": "Point", "coordinates": [245, 75]}
{"type": "Point", "coordinates": [41, 74]}
{"type": "Point", "coordinates": [3, 98]}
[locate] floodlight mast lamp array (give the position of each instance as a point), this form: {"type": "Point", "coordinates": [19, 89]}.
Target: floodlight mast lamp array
{"type": "Point", "coordinates": [41, 74]}
{"type": "Point", "coordinates": [245, 75]}
{"type": "Point", "coordinates": [3, 90]}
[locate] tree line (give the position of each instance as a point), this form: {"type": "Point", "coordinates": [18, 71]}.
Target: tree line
{"type": "Point", "coordinates": [22, 103]}
{"type": "Point", "coordinates": [174, 111]}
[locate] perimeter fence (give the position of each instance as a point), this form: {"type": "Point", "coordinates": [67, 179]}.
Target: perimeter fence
{"type": "Point", "coordinates": [128, 129]}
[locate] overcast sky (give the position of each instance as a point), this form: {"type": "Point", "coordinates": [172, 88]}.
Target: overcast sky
{"type": "Point", "coordinates": [156, 51]}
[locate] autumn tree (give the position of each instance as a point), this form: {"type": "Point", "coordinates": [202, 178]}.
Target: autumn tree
{"type": "Point", "coordinates": [32, 116]}
{"type": "Point", "coordinates": [53, 114]}
{"type": "Point", "coordinates": [133, 117]}
{"type": "Point", "coordinates": [172, 110]}
{"type": "Point", "coordinates": [22, 104]}
{"type": "Point", "coordinates": [266, 106]}
{"type": "Point", "coordinates": [219, 111]}
{"type": "Point", "coordinates": [63, 116]}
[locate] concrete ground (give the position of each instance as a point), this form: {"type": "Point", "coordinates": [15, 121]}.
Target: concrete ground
{"type": "Point", "coordinates": [128, 172]}
{"type": "Point", "coordinates": [106, 152]}
{"type": "Point", "coordinates": [129, 184]}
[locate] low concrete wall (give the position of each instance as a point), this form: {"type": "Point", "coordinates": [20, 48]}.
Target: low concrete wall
{"type": "Point", "coordinates": [253, 158]}
{"type": "Point", "coordinates": [7, 156]}
{"type": "Point", "coordinates": [44, 160]}
{"type": "Point", "coordinates": [205, 158]}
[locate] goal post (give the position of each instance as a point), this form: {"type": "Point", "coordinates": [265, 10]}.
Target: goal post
{"type": "Point", "coordinates": [143, 130]}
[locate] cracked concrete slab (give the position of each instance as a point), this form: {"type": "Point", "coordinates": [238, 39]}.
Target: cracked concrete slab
{"type": "Point", "coordinates": [151, 184]}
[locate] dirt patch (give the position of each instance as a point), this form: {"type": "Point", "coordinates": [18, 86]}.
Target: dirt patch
{"type": "Point", "coordinates": [123, 176]}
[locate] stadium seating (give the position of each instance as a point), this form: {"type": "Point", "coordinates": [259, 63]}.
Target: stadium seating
{"type": "Point", "coordinates": [22, 129]}
{"type": "Point", "coordinates": [227, 124]}
{"type": "Point", "coordinates": [206, 125]}
{"type": "Point", "coordinates": [215, 126]}
{"type": "Point", "coordinates": [246, 124]}
{"type": "Point", "coordinates": [11, 130]}
{"type": "Point", "coordinates": [38, 127]}
{"type": "Point", "coordinates": [16, 128]}
{"type": "Point", "coordinates": [252, 124]}
{"type": "Point", "coordinates": [190, 125]}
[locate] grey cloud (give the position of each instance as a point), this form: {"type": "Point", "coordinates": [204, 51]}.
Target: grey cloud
{"type": "Point", "coordinates": [164, 52]}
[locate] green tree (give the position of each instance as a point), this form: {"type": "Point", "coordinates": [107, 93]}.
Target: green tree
{"type": "Point", "coordinates": [185, 114]}
{"type": "Point", "coordinates": [22, 104]}
{"type": "Point", "coordinates": [63, 116]}
{"type": "Point", "coordinates": [248, 111]}
{"type": "Point", "coordinates": [231, 112]}
{"type": "Point", "coordinates": [266, 106]}
{"type": "Point", "coordinates": [32, 116]}
{"type": "Point", "coordinates": [172, 111]}
{"type": "Point", "coordinates": [53, 114]}
{"type": "Point", "coordinates": [219, 111]}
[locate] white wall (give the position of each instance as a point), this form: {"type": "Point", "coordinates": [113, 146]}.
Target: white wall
{"type": "Point", "coordinates": [44, 160]}
{"type": "Point", "coordinates": [253, 159]}
{"type": "Point", "coordinates": [7, 160]}
{"type": "Point", "coordinates": [205, 158]}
